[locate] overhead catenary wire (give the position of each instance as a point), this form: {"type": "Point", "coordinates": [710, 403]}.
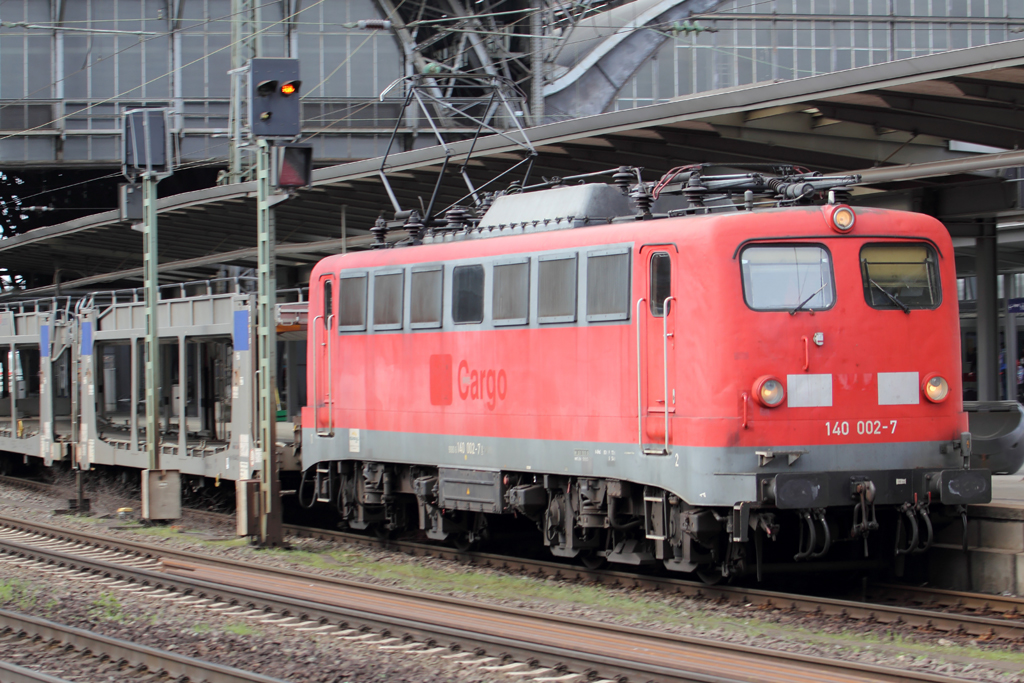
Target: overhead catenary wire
{"type": "Point", "coordinates": [712, 15]}
{"type": "Point", "coordinates": [156, 78]}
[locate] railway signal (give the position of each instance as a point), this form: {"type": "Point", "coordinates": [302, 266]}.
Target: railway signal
{"type": "Point", "coordinates": [294, 167]}
{"type": "Point", "coordinates": [275, 107]}
{"type": "Point", "coordinates": [275, 113]}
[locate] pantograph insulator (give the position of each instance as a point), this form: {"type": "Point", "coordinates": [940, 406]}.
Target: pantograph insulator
{"type": "Point", "coordinates": [643, 200]}
{"type": "Point", "coordinates": [380, 233]}
{"type": "Point", "coordinates": [839, 195]}
{"type": "Point", "coordinates": [485, 203]}
{"type": "Point", "coordinates": [456, 218]}
{"type": "Point", "coordinates": [623, 177]}
{"type": "Point", "coordinates": [695, 191]}
{"type": "Point", "coordinates": [414, 225]}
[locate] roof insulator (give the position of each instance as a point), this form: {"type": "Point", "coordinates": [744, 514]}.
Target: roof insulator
{"type": "Point", "coordinates": [456, 217]}
{"type": "Point", "coordinates": [414, 225]}
{"type": "Point", "coordinates": [380, 233]}
{"type": "Point", "coordinates": [622, 177]}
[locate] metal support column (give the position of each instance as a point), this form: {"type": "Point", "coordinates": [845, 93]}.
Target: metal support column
{"type": "Point", "coordinates": [266, 344]}
{"type": "Point", "coordinates": [293, 349]}
{"type": "Point", "coordinates": [134, 408]}
{"type": "Point", "coordinates": [182, 397]}
{"type": "Point", "coordinates": [12, 383]}
{"type": "Point", "coordinates": [536, 63]}
{"type": "Point", "coordinates": [151, 288]}
{"type": "Point", "coordinates": [244, 46]}
{"type": "Point", "coordinates": [77, 447]}
{"type": "Point", "coordinates": [985, 266]}
{"type": "Point", "coordinates": [1010, 336]}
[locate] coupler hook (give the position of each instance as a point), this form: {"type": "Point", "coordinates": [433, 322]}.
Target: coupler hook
{"type": "Point", "coordinates": [302, 488]}
{"type": "Point", "coordinates": [922, 511]}
{"type": "Point", "coordinates": [907, 510]}
{"type": "Point", "coordinates": [962, 509]}
{"type": "Point", "coordinates": [807, 552]}
{"type": "Point", "coordinates": [864, 519]}
{"type": "Point", "coordinates": [819, 515]}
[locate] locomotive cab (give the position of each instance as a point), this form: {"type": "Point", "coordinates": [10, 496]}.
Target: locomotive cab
{"type": "Point", "coordinates": [844, 359]}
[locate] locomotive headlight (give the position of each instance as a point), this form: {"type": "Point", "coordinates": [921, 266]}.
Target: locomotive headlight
{"type": "Point", "coordinates": [843, 219]}
{"type": "Point", "coordinates": [768, 391]}
{"type": "Point", "coordinates": [936, 388]}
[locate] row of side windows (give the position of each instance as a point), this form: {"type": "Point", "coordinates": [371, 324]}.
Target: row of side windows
{"type": "Point", "coordinates": [607, 283]}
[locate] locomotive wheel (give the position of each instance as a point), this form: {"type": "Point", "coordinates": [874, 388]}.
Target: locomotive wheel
{"type": "Point", "coordinates": [462, 542]}
{"type": "Point", "coordinates": [469, 539]}
{"type": "Point", "coordinates": [710, 575]}
{"type": "Point", "coordinates": [591, 560]}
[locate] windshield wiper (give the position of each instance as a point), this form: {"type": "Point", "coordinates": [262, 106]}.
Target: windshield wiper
{"type": "Point", "coordinates": [804, 302]}
{"type": "Point", "coordinates": [892, 297]}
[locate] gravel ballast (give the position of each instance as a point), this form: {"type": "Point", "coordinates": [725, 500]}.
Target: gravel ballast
{"type": "Point", "coordinates": [198, 632]}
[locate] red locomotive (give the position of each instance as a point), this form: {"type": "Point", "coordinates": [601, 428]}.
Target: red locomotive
{"type": "Point", "coordinates": [649, 372]}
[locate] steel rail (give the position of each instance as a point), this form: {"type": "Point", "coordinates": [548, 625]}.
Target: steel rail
{"type": "Point", "coordinates": [136, 655]}
{"type": "Point", "coordinates": [884, 606]}
{"type": "Point", "coordinates": [12, 673]}
{"type": "Point", "coordinates": [887, 603]}
{"type": "Point", "coordinates": [1011, 607]}
{"type": "Point", "coordinates": [550, 640]}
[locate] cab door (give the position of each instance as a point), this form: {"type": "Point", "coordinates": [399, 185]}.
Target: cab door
{"type": "Point", "coordinates": [656, 318]}
{"type": "Point", "coordinates": [323, 333]}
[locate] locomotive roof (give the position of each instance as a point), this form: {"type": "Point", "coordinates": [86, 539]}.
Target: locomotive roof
{"type": "Point", "coordinates": [737, 227]}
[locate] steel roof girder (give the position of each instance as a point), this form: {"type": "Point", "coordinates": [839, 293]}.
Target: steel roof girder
{"type": "Point", "coordinates": [997, 115]}
{"type": "Point", "coordinates": [998, 91]}
{"type": "Point", "coordinates": [916, 123]}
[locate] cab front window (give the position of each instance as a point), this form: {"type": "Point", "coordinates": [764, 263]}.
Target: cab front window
{"type": "Point", "coordinates": [787, 277]}
{"type": "Point", "coordinates": [900, 276]}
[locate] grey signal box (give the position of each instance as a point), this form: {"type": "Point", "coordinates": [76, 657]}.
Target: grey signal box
{"type": "Point", "coordinates": [130, 195]}
{"type": "Point", "coordinates": [146, 140]}
{"type": "Point", "coordinates": [274, 105]}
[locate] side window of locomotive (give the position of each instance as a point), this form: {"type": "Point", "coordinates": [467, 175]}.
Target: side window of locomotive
{"type": "Point", "coordinates": [784, 277]}
{"type": "Point", "coordinates": [468, 294]}
{"type": "Point", "coordinates": [556, 289]}
{"type": "Point", "coordinates": [426, 295]}
{"type": "Point", "coordinates": [661, 282]}
{"type": "Point", "coordinates": [387, 300]}
{"type": "Point", "coordinates": [328, 303]}
{"type": "Point", "coordinates": [608, 285]}
{"type": "Point", "coordinates": [352, 302]}
{"type": "Point", "coordinates": [900, 276]}
{"type": "Point", "coordinates": [510, 303]}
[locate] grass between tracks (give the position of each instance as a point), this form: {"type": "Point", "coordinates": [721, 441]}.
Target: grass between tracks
{"type": "Point", "coordinates": [623, 606]}
{"type": "Point", "coordinates": [24, 596]}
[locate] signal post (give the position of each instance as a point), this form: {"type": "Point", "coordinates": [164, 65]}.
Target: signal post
{"type": "Point", "coordinates": [147, 153]}
{"type": "Point", "coordinates": [275, 114]}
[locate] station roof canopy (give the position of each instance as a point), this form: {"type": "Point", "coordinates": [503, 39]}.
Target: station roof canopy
{"type": "Point", "coordinates": [926, 133]}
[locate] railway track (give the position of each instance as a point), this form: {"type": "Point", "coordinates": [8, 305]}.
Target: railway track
{"type": "Point", "coordinates": [949, 611]}
{"type": "Point", "coordinates": [102, 657]}
{"type": "Point", "coordinates": [954, 612]}
{"type": "Point", "coordinates": [482, 635]}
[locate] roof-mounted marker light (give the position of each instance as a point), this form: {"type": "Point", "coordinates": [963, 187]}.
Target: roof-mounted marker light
{"type": "Point", "coordinates": [843, 219]}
